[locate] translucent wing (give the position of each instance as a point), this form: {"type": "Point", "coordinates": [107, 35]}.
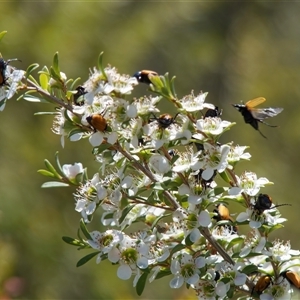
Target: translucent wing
{"type": "Point", "coordinates": [263, 113]}
{"type": "Point", "coordinates": [15, 77]}
{"type": "Point", "coordinates": [254, 102]}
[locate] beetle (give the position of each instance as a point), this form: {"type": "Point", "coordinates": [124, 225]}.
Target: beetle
{"type": "Point", "coordinates": [223, 214]}
{"type": "Point", "coordinates": [264, 202]}
{"type": "Point", "coordinates": [213, 112]}
{"type": "Point", "coordinates": [143, 76]}
{"type": "Point", "coordinates": [98, 122]}
{"type": "Point", "coordinates": [291, 277]}
{"type": "Point", "coordinates": [254, 115]}
{"type": "Point", "coordinates": [262, 283]}
{"type": "Point", "coordinates": [77, 97]}
{"type": "Point", "coordinates": [210, 113]}
{"type": "Point", "coordinates": [164, 120]}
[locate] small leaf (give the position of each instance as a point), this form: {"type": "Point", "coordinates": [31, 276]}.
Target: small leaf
{"type": "Point", "coordinates": [50, 167]}
{"type": "Point", "coordinates": [163, 273]}
{"type": "Point", "coordinates": [30, 98]}
{"type": "Point", "coordinates": [51, 184]}
{"type": "Point", "coordinates": [56, 64]}
{"type": "Point", "coordinates": [125, 212]}
{"type": "Point", "coordinates": [219, 190]}
{"type": "Point", "coordinates": [75, 83]}
{"type": "Point", "coordinates": [33, 80]}
{"type": "Point", "coordinates": [177, 248]}
{"type": "Point", "coordinates": [141, 283]}
{"type": "Point", "coordinates": [100, 65]}
{"type": "Point", "coordinates": [41, 113]}
{"type": "Point", "coordinates": [234, 242]}
{"type": "Point", "coordinates": [31, 68]}
{"type": "Point", "coordinates": [86, 258]}
{"type": "Point", "coordinates": [188, 241]}
{"type": "Point", "coordinates": [58, 162]}
{"type": "Point", "coordinates": [250, 269]}
{"type": "Point", "coordinates": [44, 79]}
{"type": "Point", "coordinates": [2, 34]}
{"type": "Point", "coordinates": [46, 173]}
{"type": "Point", "coordinates": [72, 241]}
{"type": "Point", "coordinates": [84, 230]}
{"type": "Point", "coordinates": [251, 254]}
{"type": "Point", "coordinates": [225, 177]}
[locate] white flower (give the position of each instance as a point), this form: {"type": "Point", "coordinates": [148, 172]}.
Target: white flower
{"type": "Point", "coordinates": [191, 103]}
{"type": "Point", "coordinates": [159, 164]}
{"type": "Point", "coordinates": [237, 153]}
{"type": "Point", "coordinates": [215, 159]}
{"type": "Point", "coordinates": [213, 126]}
{"type": "Point", "coordinates": [187, 160]}
{"type": "Point", "coordinates": [248, 183]}
{"type": "Point", "coordinates": [71, 171]}
{"type": "Point", "coordinates": [183, 268]}
{"type": "Point", "coordinates": [204, 219]}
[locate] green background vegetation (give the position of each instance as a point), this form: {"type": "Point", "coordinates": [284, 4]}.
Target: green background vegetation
{"type": "Point", "coordinates": [234, 51]}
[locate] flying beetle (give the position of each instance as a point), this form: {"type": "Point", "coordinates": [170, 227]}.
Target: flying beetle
{"type": "Point", "coordinates": [254, 115]}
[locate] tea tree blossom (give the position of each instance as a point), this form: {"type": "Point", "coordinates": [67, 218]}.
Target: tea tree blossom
{"type": "Point", "coordinates": [158, 187]}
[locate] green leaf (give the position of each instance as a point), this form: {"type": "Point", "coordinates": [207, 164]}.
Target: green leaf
{"type": "Point", "coordinates": [58, 162]}
{"type": "Point", "coordinates": [100, 65]}
{"type": "Point", "coordinates": [251, 254]}
{"type": "Point", "coordinates": [75, 83]}
{"type": "Point", "coordinates": [51, 184]}
{"type": "Point", "coordinates": [72, 241]}
{"type": "Point", "coordinates": [2, 34]}
{"type": "Point", "coordinates": [46, 173]}
{"type": "Point", "coordinates": [56, 64]}
{"type": "Point", "coordinates": [219, 190]}
{"type": "Point", "coordinates": [84, 230]}
{"type": "Point", "coordinates": [163, 273]}
{"type": "Point", "coordinates": [75, 131]}
{"type": "Point", "coordinates": [50, 167]}
{"type": "Point", "coordinates": [41, 113]}
{"type": "Point", "coordinates": [31, 68]}
{"type": "Point", "coordinates": [225, 177]}
{"type": "Point", "coordinates": [250, 269]}
{"type": "Point", "coordinates": [235, 241]}
{"type": "Point", "coordinates": [141, 283]}
{"type": "Point", "coordinates": [33, 80]}
{"type": "Point", "coordinates": [44, 79]}
{"type": "Point", "coordinates": [86, 258]}
{"type": "Point", "coordinates": [30, 98]}
{"type": "Point", "coordinates": [177, 248]}
{"type": "Point", "coordinates": [188, 241]}
{"type": "Point", "coordinates": [158, 219]}
{"type": "Point", "coordinates": [125, 212]}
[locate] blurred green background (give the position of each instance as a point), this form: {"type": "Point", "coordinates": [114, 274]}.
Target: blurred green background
{"type": "Point", "coordinates": [235, 51]}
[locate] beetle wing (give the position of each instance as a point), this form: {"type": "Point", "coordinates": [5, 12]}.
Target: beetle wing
{"type": "Point", "coordinates": [263, 113]}
{"type": "Point", "coordinates": [254, 102]}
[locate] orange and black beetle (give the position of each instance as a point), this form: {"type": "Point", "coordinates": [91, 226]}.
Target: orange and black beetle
{"type": "Point", "coordinates": [264, 202]}
{"type": "Point", "coordinates": [262, 283]}
{"type": "Point", "coordinates": [164, 120]}
{"type": "Point", "coordinates": [291, 277]}
{"type": "Point", "coordinates": [223, 215]}
{"type": "Point", "coordinates": [254, 115]}
{"type": "Point", "coordinates": [98, 122]}
{"type": "Point", "coordinates": [143, 76]}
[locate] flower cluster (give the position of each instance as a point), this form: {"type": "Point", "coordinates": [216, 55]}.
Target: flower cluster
{"type": "Point", "coordinates": [170, 174]}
